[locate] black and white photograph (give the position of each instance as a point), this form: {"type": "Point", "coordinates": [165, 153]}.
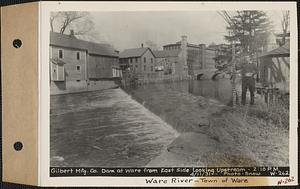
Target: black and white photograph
{"type": "Point", "coordinates": [169, 88]}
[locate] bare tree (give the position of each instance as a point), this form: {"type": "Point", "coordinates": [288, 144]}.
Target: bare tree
{"type": "Point", "coordinates": [80, 22]}
{"type": "Point", "coordinates": [285, 22]}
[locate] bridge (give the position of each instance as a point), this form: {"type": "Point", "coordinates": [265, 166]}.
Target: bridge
{"type": "Point", "coordinates": [207, 74]}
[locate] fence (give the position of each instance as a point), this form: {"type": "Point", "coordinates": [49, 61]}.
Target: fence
{"type": "Point", "coordinates": [133, 80]}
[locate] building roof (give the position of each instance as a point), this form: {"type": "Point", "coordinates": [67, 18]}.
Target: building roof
{"type": "Point", "coordinates": [188, 44]}
{"type": "Point", "coordinates": [280, 51]}
{"type": "Point", "coordinates": [137, 52]}
{"type": "Point", "coordinates": [283, 35]}
{"type": "Point", "coordinates": [166, 53]}
{"type": "Point", "coordinates": [69, 41]}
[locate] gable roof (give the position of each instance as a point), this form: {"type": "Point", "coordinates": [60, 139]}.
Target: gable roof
{"type": "Point", "coordinates": [280, 51]}
{"type": "Point", "coordinates": [68, 41]}
{"type": "Point", "coordinates": [136, 52]}
{"type": "Point", "coordinates": [166, 53]}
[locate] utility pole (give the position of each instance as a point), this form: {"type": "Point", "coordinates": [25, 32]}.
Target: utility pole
{"type": "Point", "coordinates": [233, 71]}
{"type": "Point", "coordinates": [225, 15]}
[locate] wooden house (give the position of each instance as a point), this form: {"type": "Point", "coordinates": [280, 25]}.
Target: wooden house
{"type": "Point", "coordinates": [74, 63]}
{"type": "Point", "coordinates": [138, 60]}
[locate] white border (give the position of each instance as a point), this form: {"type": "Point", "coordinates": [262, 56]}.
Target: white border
{"type": "Point", "coordinates": [44, 108]}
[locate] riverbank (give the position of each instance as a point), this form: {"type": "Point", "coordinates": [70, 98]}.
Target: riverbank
{"type": "Point", "coordinates": [211, 133]}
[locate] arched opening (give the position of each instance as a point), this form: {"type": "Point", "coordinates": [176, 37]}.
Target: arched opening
{"type": "Point", "coordinates": [199, 76]}
{"type": "Point", "coordinates": [214, 77]}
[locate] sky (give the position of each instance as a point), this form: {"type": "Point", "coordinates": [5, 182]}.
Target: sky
{"type": "Point", "coordinates": [130, 29]}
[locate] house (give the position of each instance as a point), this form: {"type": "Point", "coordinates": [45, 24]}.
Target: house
{"type": "Point", "coordinates": [282, 38]}
{"type": "Point", "coordinates": [138, 60]}
{"type": "Point", "coordinates": [168, 62]}
{"type": "Point", "coordinates": [196, 60]}
{"type": "Point", "coordinates": [274, 68]}
{"type": "Point", "coordinates": [75, 64]}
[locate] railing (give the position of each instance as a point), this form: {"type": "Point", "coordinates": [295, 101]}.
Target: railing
{"type": "Point", "coordinates": [269, 93]}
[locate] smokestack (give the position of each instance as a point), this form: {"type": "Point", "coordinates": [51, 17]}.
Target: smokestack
{"type": "Point", "coordinates": [142, 45]}
{"type": "Point", "coordinates": [184, 38]}
{"type": "Point", "coordinates": [183, 54]}
{"type": "Point", "coordinates": [202, 45]}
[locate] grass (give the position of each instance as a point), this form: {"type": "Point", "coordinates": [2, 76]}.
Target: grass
{"type": "Point", "coordinates": [276, 113]}
{"type": "Point", "coordinates": [250, 135]}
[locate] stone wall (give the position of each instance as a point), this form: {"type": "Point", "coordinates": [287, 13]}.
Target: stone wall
{"type": "Point", "coordinates": [66, 87]}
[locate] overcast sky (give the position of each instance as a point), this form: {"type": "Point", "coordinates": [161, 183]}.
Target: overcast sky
{"type": "Point", "coordinates": [130, 29]}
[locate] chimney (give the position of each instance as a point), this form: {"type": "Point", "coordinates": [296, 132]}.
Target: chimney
{"type": "Point", "coordinates": [184, 41]}
{"type": "Point", "coordinates": [72, 33]}
{"type": "Point", "coordinates": [142, 45]}
{"type": "Point", "coordinates": [203, 46]}
{"type": "Point", "coordinates": [183, 54]}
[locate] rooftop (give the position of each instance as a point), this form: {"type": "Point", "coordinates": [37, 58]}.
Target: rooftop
{"type": "Point", "coordinates": [166, 53]}
{"type": "Point", "coordinates": [188, 44]}
{"type": "Point", "coordinates": [280, 51]}
{"type": "Point", "coordinates": [69, 41]}
{"type": "Point", "coordinates": [136, 52]}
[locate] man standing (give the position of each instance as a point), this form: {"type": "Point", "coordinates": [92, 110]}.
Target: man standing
{"type": "Point", "coordinates": [248, 81]}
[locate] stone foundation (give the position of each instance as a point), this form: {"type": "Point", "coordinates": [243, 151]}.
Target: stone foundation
{"type": "Point", "coordinates": [66, 87]}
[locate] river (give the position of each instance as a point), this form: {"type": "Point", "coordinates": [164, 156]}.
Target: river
{"type": "Point", "coordinates": [214, 89]}
{"type": "Point", "coordinates": [109, 128]}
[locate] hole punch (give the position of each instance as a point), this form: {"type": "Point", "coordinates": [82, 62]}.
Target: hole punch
{"type": "Point", "coordinates": [17, 43]}
{"type": "Point", "coordinates": [18, 146]}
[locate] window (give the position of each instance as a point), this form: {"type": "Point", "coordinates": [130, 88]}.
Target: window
{"type": "Point", "coordinates": [60, 53]}
{"type": "Point", "coordinates": [144, 59]}
{"type": "Point", "coordinates": [151, 60]}
{"type": "Point", "coordinates": [144, 67]}
{"type": "Point", "coordinates": [136, 66]}
{"type": "Point", "coordinates": [78, 68]}
{"type": "Point", "coordinates": [130, 60]}
{"type": "Point", "coordinates": [78, 55]}
{"type": "Point", "coordinates": [136, 59]}
{"type": "Point", "coordinates": [151, 68]}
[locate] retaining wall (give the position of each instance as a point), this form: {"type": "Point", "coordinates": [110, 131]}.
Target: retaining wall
{"type": "Point", "coordinates": [66, 87]}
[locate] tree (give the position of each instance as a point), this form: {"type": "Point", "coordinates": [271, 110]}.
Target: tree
{"type": "Point", "coordinates": [249, 29]}
{"type": "Point", "coordinates": [285, 23]}
{"type": "Point", "coordinates": [79, 22]}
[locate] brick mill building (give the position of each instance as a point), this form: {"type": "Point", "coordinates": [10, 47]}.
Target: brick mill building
{"type": "Point", "coordinates": [193, 60]}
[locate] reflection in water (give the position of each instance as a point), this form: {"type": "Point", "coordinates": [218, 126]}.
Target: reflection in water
{"type": "Point", "coordinates": [216, 89]}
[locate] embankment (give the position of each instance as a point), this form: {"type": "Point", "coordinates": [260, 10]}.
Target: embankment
{"type": "Point", "coordinates": [212, 134]}
{"type": "Point", "coordinates": [66, 87]}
